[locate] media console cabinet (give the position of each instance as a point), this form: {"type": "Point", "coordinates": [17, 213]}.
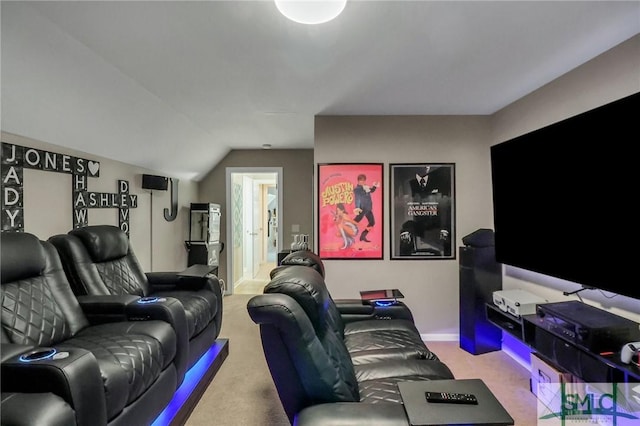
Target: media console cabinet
{"type": "Point", "coordinates": [564, 352]}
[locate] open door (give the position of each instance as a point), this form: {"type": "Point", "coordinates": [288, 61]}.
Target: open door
{"type": "Point", "coordinates": [253, 206]}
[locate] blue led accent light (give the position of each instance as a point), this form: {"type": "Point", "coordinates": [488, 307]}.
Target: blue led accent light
{"type": "Point", "coordinates": [145, 300]}
{"type": "Point", "coordinates": [517, 350]}
{"type": "Point", "coordinates": [384, 303]}
{"type": "Point", "coordinates": [191, 379]}
{"type": "Point", "coordinates": [49, 353]}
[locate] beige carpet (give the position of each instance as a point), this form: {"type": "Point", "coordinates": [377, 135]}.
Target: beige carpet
{"type": "Point", "coordinates": [243, 394]}
{"type": "Point", "coordinates": [256, 285]}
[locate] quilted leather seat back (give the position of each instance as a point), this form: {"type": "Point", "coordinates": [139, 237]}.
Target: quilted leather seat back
{"type": "Point", "coordinates": [38, 307]}
{"type": "Point", "coordinates": [305, 258]}
{"type": "Point", "coordinates": [306, 286]}
{"type": "Point", "coordinates": [99, 261]}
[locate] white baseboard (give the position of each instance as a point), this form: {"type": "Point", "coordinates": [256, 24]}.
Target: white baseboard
{"type": "Point", "coordinates": [440, 337]}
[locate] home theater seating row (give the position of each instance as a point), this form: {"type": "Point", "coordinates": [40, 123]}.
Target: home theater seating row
{"type": "Point", "coordinates": [100, 351]}
{"type": "Point", "coordinates": [99, 261]}
{"type": "Point", "coordinates": [337, 362]}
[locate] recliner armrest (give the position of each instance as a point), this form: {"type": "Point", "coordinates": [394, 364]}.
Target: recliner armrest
{"type": "Point", "coordinates": [169, 310]}
{"type": "Point", "coordinates": [173, 281]}
{"type": "Point", "coordinates": [74, 376]}
{"type": "Point", "coordinates": [353, 307]}
{"type": "Point", "coordinates": [352, 413]}
{"type": "Point", "coordinates": [106, 308]}
{"type": "Point", "coordinates": [357, 310]}
{"type": "Point", "coordinates": [169, 281]}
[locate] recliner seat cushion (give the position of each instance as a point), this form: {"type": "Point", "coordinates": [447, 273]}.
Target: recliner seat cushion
{"type": "Point", "coordinates": [386, 344]}
{"type": "Point", "coordinates": [29, 409]}
{"type": "Point", "coordinates": [200, 307]}
{"type": "Point", "coordinates": [131, 356]}
{"type": "Point", "coordinates": [426, 369]}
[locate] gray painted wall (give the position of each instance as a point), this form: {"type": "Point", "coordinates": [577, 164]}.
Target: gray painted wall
{"type": "Point", "coordinates": [297, 170]}
{"type": "Point", "coordinates": [48, 207]}
{"type": "Point", "coordinates": [430, 286]}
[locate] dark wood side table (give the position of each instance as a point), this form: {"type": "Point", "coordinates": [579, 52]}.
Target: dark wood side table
{"type": "Point", "coordinates": [488, 411]}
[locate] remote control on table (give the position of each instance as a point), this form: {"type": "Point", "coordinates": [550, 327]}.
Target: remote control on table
{"type": "Point", "coordinates": [451, 398]}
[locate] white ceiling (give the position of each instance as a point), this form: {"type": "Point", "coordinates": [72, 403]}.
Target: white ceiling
{"type": "Point", "coordinates": [174, 85]}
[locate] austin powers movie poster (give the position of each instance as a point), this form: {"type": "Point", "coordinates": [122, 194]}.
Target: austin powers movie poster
{"type": "Point", "coordinates": [350, 198]}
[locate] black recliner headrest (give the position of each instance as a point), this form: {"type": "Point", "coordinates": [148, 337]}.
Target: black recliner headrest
{"type": "Point", "coordinates": [23, 256]}
{"type": "Point", "coordinates": [304, 285]}
{"type": "Point", "coordinates": [305, 258]}
{"type": "Point", "coordinates": [103, 242]}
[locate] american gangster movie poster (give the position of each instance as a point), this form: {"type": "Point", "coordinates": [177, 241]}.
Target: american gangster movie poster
{"type": "Point", "coordinates": [350, 198]}
{"type": "Point", "coordinates": [422, 214]}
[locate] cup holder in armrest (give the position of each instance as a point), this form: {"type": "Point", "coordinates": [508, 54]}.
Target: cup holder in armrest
{"type": "Point", "coordinates": [38, 354]}
{"type": "Point", "coordinates": [384, 303]}
{"type": "Point", "coordinates": [151, 299]}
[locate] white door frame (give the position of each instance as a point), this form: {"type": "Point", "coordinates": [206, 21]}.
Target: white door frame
{"type": "Point", "coordinates": [228, 172]}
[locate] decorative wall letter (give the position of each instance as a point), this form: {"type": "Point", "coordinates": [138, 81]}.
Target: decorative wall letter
{"type": "Point", "coordinates": [171, 215]}
{"type": "Point", "coordinates": [15, 158]}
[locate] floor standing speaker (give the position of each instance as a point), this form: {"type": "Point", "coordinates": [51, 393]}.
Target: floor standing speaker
{"type": "Point", "coordinates": [480, 276]}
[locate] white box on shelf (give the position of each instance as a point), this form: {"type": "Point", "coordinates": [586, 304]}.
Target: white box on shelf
{"type": "Point", "coordinates": [517, 302]}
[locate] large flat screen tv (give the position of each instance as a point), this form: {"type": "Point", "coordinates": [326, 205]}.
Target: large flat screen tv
{"type": "Point", "coordinates": [564, 198]}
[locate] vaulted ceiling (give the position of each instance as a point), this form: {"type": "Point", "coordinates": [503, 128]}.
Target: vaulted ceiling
{"type": "Point", "coordinates": [174, 85]}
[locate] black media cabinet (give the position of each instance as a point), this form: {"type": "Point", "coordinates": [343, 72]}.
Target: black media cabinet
{"type": "Point", "coordinates": [564, 352]}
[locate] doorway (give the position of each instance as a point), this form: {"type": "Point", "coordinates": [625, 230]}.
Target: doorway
{"type": "Point", "coordinates": [254, 226]}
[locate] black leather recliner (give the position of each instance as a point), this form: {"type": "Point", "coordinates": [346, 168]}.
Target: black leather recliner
{"type": "Point", "coordinates": [311, 366]}
{"type": "Point", "coordinates": [99, 260]}
{"type": "Point", "coordinates": [351, 310]}
{"type": "Point", "coordinates": [115, 373]}
{"type": "Point", "coordinates": [371, 337]}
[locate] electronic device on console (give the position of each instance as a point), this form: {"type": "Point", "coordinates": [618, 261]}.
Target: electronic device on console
{"type": "Point", "coordinates": [629, 351]}
{"type": "Point", "coordinates": [587, 326]}
{"type": "Point", "coordinates": [517, 302]}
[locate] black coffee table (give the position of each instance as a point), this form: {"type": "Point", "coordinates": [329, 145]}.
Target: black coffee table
{"type": "Point", "coordinates": [488, 411]}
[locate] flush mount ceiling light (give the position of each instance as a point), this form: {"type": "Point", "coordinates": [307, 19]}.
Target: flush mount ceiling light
{"type": "Point", "coordinates": [310, 11]}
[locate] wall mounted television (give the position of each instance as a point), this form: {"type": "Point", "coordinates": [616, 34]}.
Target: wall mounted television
{"type": "Point", "coordinates": [564, 198]}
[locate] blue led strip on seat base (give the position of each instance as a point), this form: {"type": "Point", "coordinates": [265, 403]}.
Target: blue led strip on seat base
{"type": "Point", "coordinates": [197, 378]}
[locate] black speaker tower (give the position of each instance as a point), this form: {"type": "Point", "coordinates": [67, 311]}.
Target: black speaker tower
{"type": "Point", "coordinates": [480, 276]}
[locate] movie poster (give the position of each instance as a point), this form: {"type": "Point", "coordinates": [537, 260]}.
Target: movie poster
{"type": "Point", "coordinates": [423, 211]}
{"type": "Point", "coordinates": [350, 221]}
